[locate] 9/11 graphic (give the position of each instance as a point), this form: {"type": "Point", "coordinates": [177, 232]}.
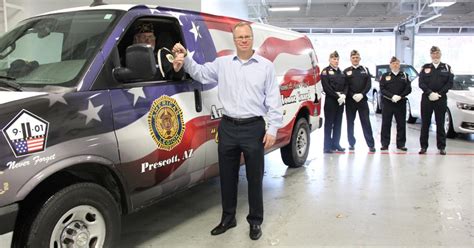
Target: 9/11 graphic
{"type": "Point", "coordinates": [26, 133]}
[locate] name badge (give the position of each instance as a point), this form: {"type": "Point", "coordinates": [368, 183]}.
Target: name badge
{"type": "Point", "coordinates": [331, 72]}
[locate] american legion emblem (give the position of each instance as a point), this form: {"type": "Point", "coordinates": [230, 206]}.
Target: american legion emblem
{"type": "Point", "coordinates": [166, 123]}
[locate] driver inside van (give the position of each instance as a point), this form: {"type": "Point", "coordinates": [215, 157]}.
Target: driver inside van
{"type": "Point", "coordinates": [167, 67]}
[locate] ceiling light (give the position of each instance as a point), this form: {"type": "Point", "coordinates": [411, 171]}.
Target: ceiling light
{"type": "Point", "coordinates": [277, 9]}
{"type": "Point", "coordinates": [442, 4]}
{"type": "Point", "coordinates": [428, 19]}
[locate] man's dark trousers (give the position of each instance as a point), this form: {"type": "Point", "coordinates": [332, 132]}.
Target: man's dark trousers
{"type": "Point", "coordinates": [427, 108]}
{"type": "Point", "coordinates": [234, 139]}
{"type": "Point", "coordinates": [389, 110]}
{"type": "Point", "coordinates": [332, 123]}
{"type": "Point", "coordinates": [352, 107]}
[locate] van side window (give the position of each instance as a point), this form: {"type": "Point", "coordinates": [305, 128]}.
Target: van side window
{"type": "Point", "coordinates": [162, 33]}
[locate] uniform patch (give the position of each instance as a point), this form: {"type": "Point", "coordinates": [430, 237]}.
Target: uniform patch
{"type": "Point", "coordinates": [170, 57]}
{"type": "Point", "coordinates": [26, 133]}
{"type": "Point", "coordinates": [324, 72]}
{"type": "Point", "coordinates": [166, 123]}
{"type": "Point", "coordinates": [388, 78]}
{"type": "Point", "coordinates": [349, 73]}
{"type": "Point", "coordinates": [427, 70]}
{"type": "Point", "coordinates": [331, 72]}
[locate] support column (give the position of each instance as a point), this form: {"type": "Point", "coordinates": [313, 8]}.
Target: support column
{"type": "Point", "coordinates": [405, 44]}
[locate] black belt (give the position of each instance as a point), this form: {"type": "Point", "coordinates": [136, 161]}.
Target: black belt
{"type": "Point", "coordinates": [242, 121]}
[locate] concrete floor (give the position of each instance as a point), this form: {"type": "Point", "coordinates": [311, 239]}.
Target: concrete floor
{"type": "Point", "coordinates": [355, 199]}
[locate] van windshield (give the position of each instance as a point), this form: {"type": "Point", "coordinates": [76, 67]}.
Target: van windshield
{"type": "Point", "coordinates": [53, 49]}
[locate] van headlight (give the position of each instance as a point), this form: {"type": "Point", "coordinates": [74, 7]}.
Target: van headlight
{"type": "Point", "coordinates": [465, 106]}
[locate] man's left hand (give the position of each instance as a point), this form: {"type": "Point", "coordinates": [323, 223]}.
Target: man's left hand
{"type": "Point", "coordinates": [269, 140]}
{"type": "Point", "coordinates": [178, 62]}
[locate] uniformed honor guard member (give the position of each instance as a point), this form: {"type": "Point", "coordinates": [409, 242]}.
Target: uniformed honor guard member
{"type": "Point", "coordinates": [435, 80]}
{"type": "Point", "coordinates": [334, 85]}
{"type": "Point", "coordinates": [166, 67]}
{"type": "Point", "coordinates": [395, 86]}
{"type": "Point", "coordinates": [358, 82]}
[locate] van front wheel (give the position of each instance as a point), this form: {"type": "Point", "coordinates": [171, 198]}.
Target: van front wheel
{"type": "Point", "coordinates": [295, 153]}
{"type": "Point", "coordinates": [80, 215]}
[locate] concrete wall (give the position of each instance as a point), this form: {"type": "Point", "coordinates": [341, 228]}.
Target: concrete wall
{"type": "Point", "coordinates": [233, 8]}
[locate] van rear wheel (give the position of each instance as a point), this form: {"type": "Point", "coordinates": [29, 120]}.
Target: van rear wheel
{"type": "Point", "coordinates": [80, 215]}
{"type": "Point", "coordinates": [296, 152]}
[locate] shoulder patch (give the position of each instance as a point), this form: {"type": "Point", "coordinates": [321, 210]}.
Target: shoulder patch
{"type": "Point", "coordinates": [324, 72]}
{"type": "Point", "coordinates": [427, 70]}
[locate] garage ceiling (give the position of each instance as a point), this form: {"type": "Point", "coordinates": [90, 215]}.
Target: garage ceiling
{"type": "Point", "coordinates": [323, 16]}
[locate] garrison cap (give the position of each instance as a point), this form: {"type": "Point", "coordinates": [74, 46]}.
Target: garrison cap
{"type": "Point", "coordinates": [334, 55]}
{"type": "Point", "coordinates": [144, 27]}
{"type": "Point", "coordinates": [434, 49]}
{"type": "Point", "coordinates": [354, 53]}
{"type": "Point", "coordinates": [394, 59]}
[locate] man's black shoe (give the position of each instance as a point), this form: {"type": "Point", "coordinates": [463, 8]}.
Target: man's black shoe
{"type": "Point", "coordinates": [371, 149]}
{"type": "Point", "coordinates": [384, 148]}
{"type": "Point", "coordinates": [327, 151]}
{"type": "Point", "coordinates": [422, 151]}
{"type": "Point", "coordinates": [442, 151]}
{"type": "Point", "coordinates": [255, 232]}
{"type": "Point", "coordinates": [222, 228]}
{"type": "Point", "coordinates": [339, 149]}
{"type": "Point", "coordinates": [351, 148]}
{"type": "Point", "coordinates": [402, 148]}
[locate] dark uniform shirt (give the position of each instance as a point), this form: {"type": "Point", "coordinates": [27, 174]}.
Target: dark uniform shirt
{"type": "Point", "coordinates": [357, 80]}
{"type": "Point", "coordinates": [433, 79]}
{"type": "Point", "coordinates": [391, 84]}
{"type": "Point", "coordinates": [333, 81]}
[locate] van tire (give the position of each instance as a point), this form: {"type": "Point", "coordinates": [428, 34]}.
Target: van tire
{"type": "Point", "coordinates": [296, 152]}
{"type": "Point", "coordinates": [410, 118]}
{"type": "Point", "coordinates": [78, 206]}
{"type": "Point", "coordinates": [376, 103]}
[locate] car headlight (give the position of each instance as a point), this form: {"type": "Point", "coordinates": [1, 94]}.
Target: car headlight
{"type": "Point", "coordinates": [465, 106]}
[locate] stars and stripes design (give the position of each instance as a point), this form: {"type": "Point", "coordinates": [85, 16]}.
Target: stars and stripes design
{"type": "Point", "coordinates": [29, 145]}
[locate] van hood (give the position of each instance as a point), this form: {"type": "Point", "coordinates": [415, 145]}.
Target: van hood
{"type": "Point", "coordinates": [10, 96]}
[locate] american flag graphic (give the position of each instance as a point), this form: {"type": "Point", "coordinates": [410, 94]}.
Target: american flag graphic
{"type": "Point", "coordinates": [28, 145]}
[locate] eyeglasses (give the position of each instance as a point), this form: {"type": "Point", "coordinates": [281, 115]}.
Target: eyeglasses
{"type": "Point", "coordinates": [241, 38]}
{"type": "Point", "coordinates": [146, 37]}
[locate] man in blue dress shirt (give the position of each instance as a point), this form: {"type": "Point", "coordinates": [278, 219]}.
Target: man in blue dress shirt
{"type": "Point", "coordinates": [248, 90]}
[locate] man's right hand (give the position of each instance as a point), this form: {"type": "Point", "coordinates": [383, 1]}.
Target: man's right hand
{"type": "Point", "coordinates": [178, 62]}
{"type": "Point", "coordinates": [179, 49]}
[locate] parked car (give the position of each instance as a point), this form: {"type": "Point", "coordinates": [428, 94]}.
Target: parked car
{"type": "Point", "coordinates": [88, 135]}
{"type": "Point", "coordinates": [460, 113]}
{"type": "Point", "coordinates": [413, 99]}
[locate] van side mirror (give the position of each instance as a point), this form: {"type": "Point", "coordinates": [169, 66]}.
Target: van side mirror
{"type": "Point", "coordinates": [140, 64]}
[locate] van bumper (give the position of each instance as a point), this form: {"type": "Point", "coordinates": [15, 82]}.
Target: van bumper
{"type": "Point", "coordinates": [315, 122]}
{"type": "Point", "coordinates": [8, 218]}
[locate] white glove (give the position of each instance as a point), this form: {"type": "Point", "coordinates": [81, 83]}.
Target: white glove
{"type": "Point", "coordinates": [357, 97]}
{"type": "Point", "coordinates": [342, 99]}
{"type": "Point", "coordinates": [434, 96]}
{"type": "Point", "coordinates": [396, 98]}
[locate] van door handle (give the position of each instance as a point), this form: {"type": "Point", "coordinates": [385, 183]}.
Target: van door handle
{"type": "Point", "coordinates": [198, 100]}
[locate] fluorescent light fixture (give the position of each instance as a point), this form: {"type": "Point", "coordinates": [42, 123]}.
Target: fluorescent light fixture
{"type": "Point", "coordinates": [277, 9]}
{"type": "Point", "coordinates": [442, 4]}
{"type": "Point", "coordinates": [428, 19]}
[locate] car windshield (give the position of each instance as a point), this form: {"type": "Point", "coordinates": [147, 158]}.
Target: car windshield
{"type": "Point", "coordinates": [53, 49]}
{"type": "Point", "coordinates": [463, 82]}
